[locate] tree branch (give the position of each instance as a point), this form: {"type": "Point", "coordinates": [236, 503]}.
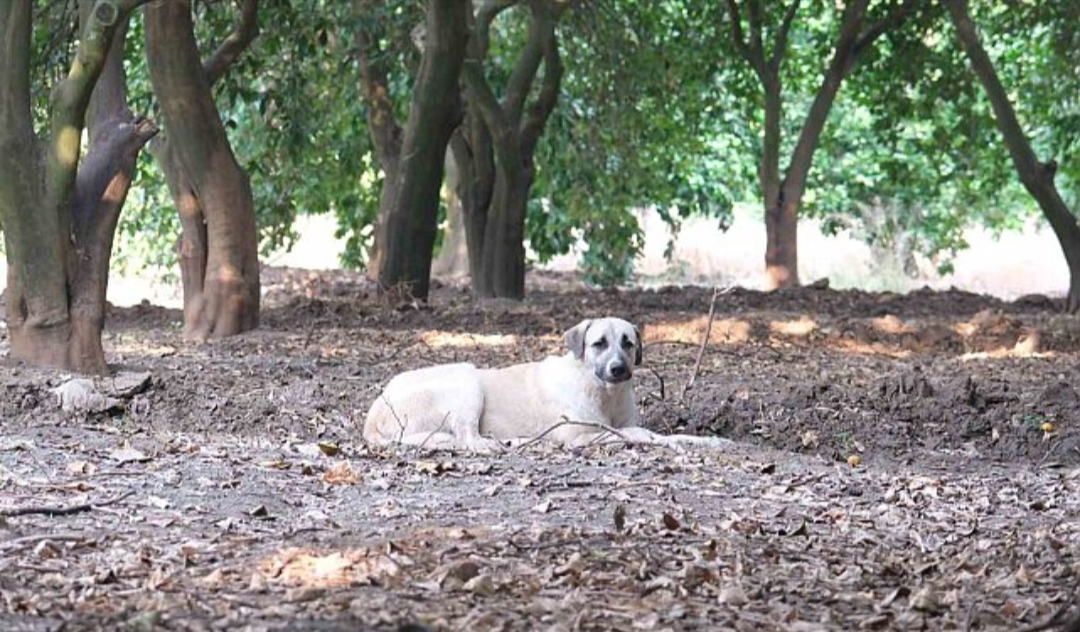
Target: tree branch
{"type": "Point", "coordinates": [753, 56]}
{"type": "Point", "coordinates": [839, 65]}
{"type": "Point", "coordinates": [485, 15]}
{"type": "Point", "coordinates": [386, 131]}
{"type": "Point", "coordinates": [1027, 163]}
{"type": "Point", "coordinates": [754, 10]}
{"type": "Point", "coordinates": [236, 43]}
{"type": "Point", "coordinates": [481, 97]}
{"type": "Point", "coordinates": [487, 104]}
{"type": "Point", "coordinates": [528, 62]}
{"type": "Point", "coordinates": [891, 21]}
{"type": "Point", "coordinates": [781, 37]}
{"type": "Point", "coordinates": [541, 109]}
{"type": "Point", "coordinates": [737, 36]}
{"type": "Point", "coordinates": [71, 97]}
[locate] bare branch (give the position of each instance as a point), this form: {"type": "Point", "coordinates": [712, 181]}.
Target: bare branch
{"type": "Point", "coordinates": [236, 43]}
{"type": "Point", "coordinates": [71, 97]}
{"type": "Point", "coordinates": [61, 510]}
{"type": "Point", "coordinates": [481, 96]}
{"type": "Point", "coordinates": [737, 35]}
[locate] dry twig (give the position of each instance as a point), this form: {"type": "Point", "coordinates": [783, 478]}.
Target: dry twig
{"type": "Point", "coordinates": [60, 510]}
{"type": "Point", "coordinates": [717, 292]}
{"type": "Point", "coordinates": [569, 422]}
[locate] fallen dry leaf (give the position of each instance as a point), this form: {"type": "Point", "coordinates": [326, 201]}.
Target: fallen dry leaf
{"type": "Point", "coordinates": [341, 473]}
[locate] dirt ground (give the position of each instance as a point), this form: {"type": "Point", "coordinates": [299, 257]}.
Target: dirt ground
{"type": "Point", "coordinates": [900, 463]}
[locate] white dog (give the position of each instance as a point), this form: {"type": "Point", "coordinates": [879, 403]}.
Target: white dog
{"type": "Point", "coordinates": [576, 399]}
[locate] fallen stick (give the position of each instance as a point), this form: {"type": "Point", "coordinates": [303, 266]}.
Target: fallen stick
{"type": "Point", "coordinates": [59, 510]}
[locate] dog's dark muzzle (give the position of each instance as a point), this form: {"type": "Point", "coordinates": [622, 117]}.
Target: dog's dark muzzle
{"type": "Point", "coordinates": [614, 373]}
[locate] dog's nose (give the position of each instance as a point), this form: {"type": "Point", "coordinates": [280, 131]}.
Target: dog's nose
{"type": "Point", "coordinates": [619, 371]}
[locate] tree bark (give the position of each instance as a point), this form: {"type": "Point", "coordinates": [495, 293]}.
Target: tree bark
{"type": "Point", "coordinates": [1036, 176]}
{"type": "Point", "coordinates": [500, 140]}
{"type": "Point", "coordinates": [59, 217]}
{"type": "Point", "coordinates": [218, 247]}
{"type": "Point", "coordinates": [404, 256]}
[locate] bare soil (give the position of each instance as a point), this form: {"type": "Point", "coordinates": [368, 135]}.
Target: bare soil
{"type": "Point", "coordinates": [901, 462]}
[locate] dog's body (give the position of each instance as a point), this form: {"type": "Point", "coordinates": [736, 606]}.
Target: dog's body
{"type": "Point", "coordinates": [572, 399]}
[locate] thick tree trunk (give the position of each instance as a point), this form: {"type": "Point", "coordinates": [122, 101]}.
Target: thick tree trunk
{"type": "Point", "coordinates": [219, 244]}
{"type": "Point", "coordinates": [404, 258]}
{"type": "Point", "coordinates": [58, 218]}
{"type": "Point", "coordinates": [102, 184]}
{"type": "Point", "coordinates": [1036, 176]}
{"type": "Point", "coordinates": [504, 239]}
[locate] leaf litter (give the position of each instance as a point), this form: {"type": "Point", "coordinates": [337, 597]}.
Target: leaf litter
{"type": "Point", "coordinates": [239, 496]}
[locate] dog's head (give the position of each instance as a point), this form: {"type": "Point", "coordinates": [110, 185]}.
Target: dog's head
{"type": "Point", "coordinates": [611, 346]}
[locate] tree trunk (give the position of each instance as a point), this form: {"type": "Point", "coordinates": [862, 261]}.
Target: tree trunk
{"type": "Point", "coordinates": [499, 143]}
{"type": "Point", "coordinates": [59, 219]}
{"type": "Point", "coordinates": [782, 195]}
{"type": "Point", "coordinates": [1036, 176]}
{"type": "Point", "coordinates": [504, 239]}
{"type": "Point", "coordinates": [219, 242]}
{"type": "Point", "coordinates": [404, 258]}
{"type": "Point", "coordinates": [475, 160]}
{"type": "Point", "coordinates": [386, 133]}
{"type": "Point", "coordinates": [781, 222]}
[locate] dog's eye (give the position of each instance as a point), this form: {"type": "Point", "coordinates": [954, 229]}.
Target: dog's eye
{"type": "Point", "coordinates": [627, 343]}
{"type": "Point", "coordinates": [600, 344]}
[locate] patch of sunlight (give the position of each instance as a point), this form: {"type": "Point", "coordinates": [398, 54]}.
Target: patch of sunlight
{"type": "Point", "coordinates": [869, 348]}
{"type": "Point", "coordinates": [802, 327]}
{"type": "Point", "coordinates": [690, 331]}
{"type": "Point", "coordinates": [133, 346]}
{"type": "Point", "coordinates": [67, 146]}
{"type": "Point", "coordinates": [985, 320]}
{"type": "Point", "coordinates": [1027, 346]}
{"type": "Point", "coordinates": [891, 325]}
{"type": "Point", "coordinates": [437, 339]}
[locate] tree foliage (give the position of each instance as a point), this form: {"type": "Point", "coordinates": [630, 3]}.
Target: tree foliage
{"type": "Point", "coordinates": [655, 110]}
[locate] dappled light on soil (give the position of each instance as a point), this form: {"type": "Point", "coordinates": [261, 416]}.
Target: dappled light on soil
{"type": "Point", "coordinates": [449, 339]}
{"type": "Point", "coordinates": [798, 328]}
{"type": "Point", "coordinates": [691, 331]}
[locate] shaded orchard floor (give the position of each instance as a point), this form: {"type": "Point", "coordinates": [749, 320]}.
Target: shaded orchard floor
{"type": "Point", "coordinates": [232, 491]}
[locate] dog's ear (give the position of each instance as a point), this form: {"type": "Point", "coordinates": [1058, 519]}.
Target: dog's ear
{"type": "Point", "coordinates": [639, 347]}
{"type": "Point", "coordinates": [575, 338]}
